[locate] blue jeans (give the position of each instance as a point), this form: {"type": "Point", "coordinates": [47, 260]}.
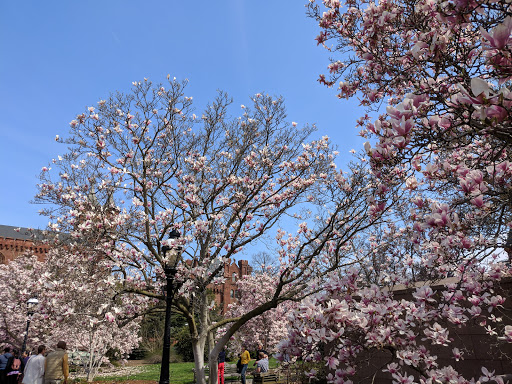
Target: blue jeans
{"type": "Point", "coordinates": [242, 374]}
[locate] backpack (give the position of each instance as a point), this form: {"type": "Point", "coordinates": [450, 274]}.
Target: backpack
{"type": "Point", "coordinates": [16, 363]}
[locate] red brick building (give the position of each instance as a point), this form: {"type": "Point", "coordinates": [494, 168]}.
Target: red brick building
{"type": "Point", "coordinates": [226, 293]}
{"type": "Point", "coordinates": [15, 241]}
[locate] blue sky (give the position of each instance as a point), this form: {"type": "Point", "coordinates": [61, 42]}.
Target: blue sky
{"type": "Point", "coordinates": [59, 57]}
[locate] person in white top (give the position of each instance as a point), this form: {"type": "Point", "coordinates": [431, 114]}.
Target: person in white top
{"type": "Point", "coordinates": [34, 369]}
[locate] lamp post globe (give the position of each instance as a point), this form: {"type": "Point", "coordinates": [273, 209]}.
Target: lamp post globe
{"type": "Point", "coordinates": [31, 309]}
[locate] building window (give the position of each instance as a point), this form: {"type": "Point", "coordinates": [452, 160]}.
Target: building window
{"type": "Point", "coordinates": [2, 259]}
{"type": "Point", "coordinates": [232, 293]}
{"type": "Point", "coordinates": [233, 277]}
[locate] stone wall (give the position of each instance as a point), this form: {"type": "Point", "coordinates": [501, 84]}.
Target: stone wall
{"type": "Point", "coordinates": [15, 241]}
{"type": "Point", "coordinates": [12, 248]}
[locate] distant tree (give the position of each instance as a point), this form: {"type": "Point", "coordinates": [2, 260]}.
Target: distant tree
{"type": "Point", "coordinates": [262, 261]}
{"type": "Point", "coordinates": [78, 302]}
{"type": "Point", "coordinates": [183, 344]}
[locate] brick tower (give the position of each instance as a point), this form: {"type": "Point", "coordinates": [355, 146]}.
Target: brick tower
{"type": "Point", "coordinates": [226, 293]}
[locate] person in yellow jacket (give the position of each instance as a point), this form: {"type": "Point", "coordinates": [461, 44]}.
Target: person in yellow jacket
{"type": "Point", "coordinates": [245, 357]}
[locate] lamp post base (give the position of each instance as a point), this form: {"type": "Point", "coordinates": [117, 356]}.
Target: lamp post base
{"type": "Point", "coordinates": [164, 369]}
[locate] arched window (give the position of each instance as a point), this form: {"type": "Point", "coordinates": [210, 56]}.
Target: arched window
{"type": "Point", "coordinates": [232, 293]}
{"type": "Point", "coordinates": [233, 277]}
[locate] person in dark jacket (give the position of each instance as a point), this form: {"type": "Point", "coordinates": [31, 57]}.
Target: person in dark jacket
{"type": "Point", "coordinates": [24, 357]}
{"type": "Point", "coordinates": [4, 359]}
{"type": "Point", "coordinates": [14, 368]}
{"type": "Point", "coordinates": [221, 360]}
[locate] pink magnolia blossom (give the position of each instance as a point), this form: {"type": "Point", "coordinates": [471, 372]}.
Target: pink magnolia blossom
{"type": "Point", "coordinates": [500, 36]}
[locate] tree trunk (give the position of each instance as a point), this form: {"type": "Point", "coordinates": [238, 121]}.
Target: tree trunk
{"type": "Point", "coordinates": [214, 368]}
{"type": "Point", "coordinates": [198, 350]}
{"type": "Point", "coordinates": [214, 373]}
{"type": "Point", "coordinates": [90, 363]}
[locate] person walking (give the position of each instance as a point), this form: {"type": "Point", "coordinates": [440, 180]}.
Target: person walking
{"type": "Point", "coordinates": [3, 364]}
{"type": "Point", "coordinates": [34, 369]}
{"type": "Point", "coordinates": [24, 357]}
{"type": "Point", "coordinates": [221, 360]}
{"type": "Point", "coordinates": [56, 368]}
{"type": "Point", "coordinates": [245, 357]}
{"type": "Point", "coordinates": [14, 368]}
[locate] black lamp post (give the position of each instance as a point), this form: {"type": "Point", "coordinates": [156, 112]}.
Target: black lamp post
{"type": "Point", "coordinates": [171, 258]}
{"type": "Point", "coordinates": [31, 306]}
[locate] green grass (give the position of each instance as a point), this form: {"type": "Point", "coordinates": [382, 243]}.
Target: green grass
{"type": "Point", "coordinates": [180, 373]}
{"type": "Point", "coordinates": [272, 362]}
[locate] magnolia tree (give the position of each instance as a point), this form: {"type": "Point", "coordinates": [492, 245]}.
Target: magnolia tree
{"type": "Point", "coordinates": [223, 182]}
{"type": "Point", "coordinates": [19, 283]}
{"type": "Point", "coordinates": [81, 291]}
{"type": "Point", "coordinates": [353, 331]}
{"type": "Point", "coordinates": [444, 67]}
{"type": "Point", "coordinates": [78, 303]}
{"type": "Point", "coordinates": [267, 329]}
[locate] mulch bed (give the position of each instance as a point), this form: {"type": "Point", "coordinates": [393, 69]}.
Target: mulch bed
{"type": "Point", "coordinates": [127, 370]}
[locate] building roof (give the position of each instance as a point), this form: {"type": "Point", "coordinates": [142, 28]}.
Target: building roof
{"type": "Point", "coordinates": [21, 233]}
